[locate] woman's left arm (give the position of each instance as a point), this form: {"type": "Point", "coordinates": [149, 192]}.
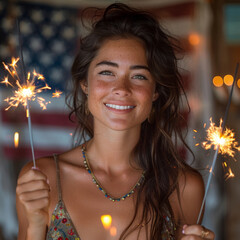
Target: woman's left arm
{"type": "Point", "coordinates": [191, 188]}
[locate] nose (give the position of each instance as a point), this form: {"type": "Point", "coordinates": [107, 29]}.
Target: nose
{"type": "Point", "coordinates": [122, 87]}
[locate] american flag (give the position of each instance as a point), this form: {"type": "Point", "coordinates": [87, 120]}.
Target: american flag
{"type": "Point", "coordinates": [49, 39]}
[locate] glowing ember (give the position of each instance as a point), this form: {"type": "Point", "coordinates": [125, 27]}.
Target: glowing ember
{"type": "Point", "coordinates": [26, 92]}
{"type": "Point", "coordinates": [6, 82]}
{"type": "Point", "coordinates": [56, 94]}
{"type": "Point", "coordinates": [16, 139]}
{"type": "Point", "coordinates": [230, 174]}
{"type": "Point", "coordinates": [224, 140]}
{"type": "Point", "coordinates": [106, 221]}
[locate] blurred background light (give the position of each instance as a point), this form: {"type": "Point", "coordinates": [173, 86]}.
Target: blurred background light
{"type": "Point", "coordinates": [217, 81]}
{"type": "Point", "coordinates": [228, 79]}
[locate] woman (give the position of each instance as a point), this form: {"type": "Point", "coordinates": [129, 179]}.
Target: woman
{"type": "Point", "coordinates": [126, 99]}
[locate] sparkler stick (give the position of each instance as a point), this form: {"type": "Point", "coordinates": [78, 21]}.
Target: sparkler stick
{"type": "Point", "coordinates": [218, 146]}
{"type": "Point", "coordinates": [30, 134]}
{"type": "Point", "coordinates": [28, 108]}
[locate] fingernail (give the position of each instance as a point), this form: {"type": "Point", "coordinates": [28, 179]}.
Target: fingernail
{"type": "Point", "coordinates": [183, 231]}
{"type": "Point", "coordinates": [47, 181]}
{"type": "Point", "coordinates": [35, 168]}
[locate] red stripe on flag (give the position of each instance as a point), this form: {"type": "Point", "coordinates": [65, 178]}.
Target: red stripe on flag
{"type": "Point", "coordinates": [174, 11]}
{"type": "Point", "coordinates": [39, 118]}
{"type": "Point", "coordinates": [21, 153]}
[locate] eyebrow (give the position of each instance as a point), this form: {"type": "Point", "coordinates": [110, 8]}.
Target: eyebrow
{"type": "Point", "coordinates": [113, 64]}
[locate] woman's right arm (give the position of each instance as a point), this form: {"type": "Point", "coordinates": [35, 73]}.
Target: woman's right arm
{"type": "Point", "coordinates": [32, 202]}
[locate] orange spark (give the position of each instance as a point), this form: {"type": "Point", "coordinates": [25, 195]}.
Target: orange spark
{"type": "Point", "coordinates": [56, 94]}
{"type": "Point", "coordinates": [6, 82]}
{"type": "Point", "coordinates": [225, 140]}
{"type": "Point", "coordinates": [230, 174]}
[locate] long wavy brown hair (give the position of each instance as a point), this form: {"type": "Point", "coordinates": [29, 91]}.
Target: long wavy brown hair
{"type": "Point", "coordinates": [157, 151]}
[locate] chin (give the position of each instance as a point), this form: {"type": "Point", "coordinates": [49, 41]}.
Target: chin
{"type": "Point", "coordinates": [121, 126]}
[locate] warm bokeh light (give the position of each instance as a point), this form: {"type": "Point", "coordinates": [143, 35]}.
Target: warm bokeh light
{"type": "Point", "coordinates": [228, 80]}
{"type": "Point", "coordinates": [217, 81]}
{"type": "Point", "coordinates": [113, 231]}
{"type": "Point", "coordinates": [16, 139]}
{"type": "Point", "coordinates": [194, 39]}
{"type": "Point", "coordinates": [238, 83]}
{"type": "Point", "coordinates": [106, 221]}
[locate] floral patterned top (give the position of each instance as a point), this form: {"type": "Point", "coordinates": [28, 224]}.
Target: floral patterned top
{"type": "Point", "coordinates": [62, 228]}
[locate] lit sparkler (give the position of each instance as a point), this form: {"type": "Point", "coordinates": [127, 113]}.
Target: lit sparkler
{"type": "Point", "coordinates": [223, 141]}
{"type": "Point", "coordinates": [25, 92]}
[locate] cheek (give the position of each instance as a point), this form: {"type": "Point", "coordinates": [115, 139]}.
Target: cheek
{"type": "Point", "coordinates": [96, 92]}
{"type": "Point", "coordinates": [97, 86]}
{"type": "Point", "coordinates": [146, 94]}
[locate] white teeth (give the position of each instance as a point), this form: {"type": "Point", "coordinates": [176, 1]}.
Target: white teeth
{"type": "Point", "coordinates": [119, 107]}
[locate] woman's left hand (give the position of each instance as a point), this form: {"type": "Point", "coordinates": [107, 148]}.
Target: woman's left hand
{"type": "Point", "coordinates": [196, 232]}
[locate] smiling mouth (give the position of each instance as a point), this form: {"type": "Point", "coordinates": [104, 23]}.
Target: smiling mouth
{"type": "Point", "coordinates": [119, 107]}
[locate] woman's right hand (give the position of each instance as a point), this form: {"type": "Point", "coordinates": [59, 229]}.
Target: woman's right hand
{"type": "Point", "coordinates": [33, 193]}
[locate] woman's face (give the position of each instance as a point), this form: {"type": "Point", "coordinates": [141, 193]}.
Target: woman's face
{"type": "Point", "coordinates": [120, 86]}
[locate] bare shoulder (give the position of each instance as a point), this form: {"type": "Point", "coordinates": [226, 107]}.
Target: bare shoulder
{"type": "Point", "coordinates": [187, 204]}
{"type": "Point", "coordinates": [190, 182]}
{"type": "Point", "coordinates": [47, 164]}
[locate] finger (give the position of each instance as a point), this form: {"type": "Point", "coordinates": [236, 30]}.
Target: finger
{"type": "Point", "coordinates": [198, 230]}
{"type": "Point", "coordinates": [32, 186]}
{"type": "Point", "coordinates": [36, 205]}
{"type": "Point", "coordinates": [32, 174]}
{"type": "Point", "coordinates": [191, 237]}
{"type": "Point", "coordinates": [31, 196]}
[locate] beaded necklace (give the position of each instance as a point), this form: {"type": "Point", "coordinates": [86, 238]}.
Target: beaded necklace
{"type": "Point", "coordinates": [99, 186]}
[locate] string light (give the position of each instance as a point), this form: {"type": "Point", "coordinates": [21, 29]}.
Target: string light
{"type": "Point", "coordinates": [217, 81]}
{"type": "Point", "coordinates": [238, 83]}
{"type": "Point", "coordinates": [228, 80]}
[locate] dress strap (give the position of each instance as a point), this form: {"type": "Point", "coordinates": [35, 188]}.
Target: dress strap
{"type": "Point", "coordinates": [58, 178]}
